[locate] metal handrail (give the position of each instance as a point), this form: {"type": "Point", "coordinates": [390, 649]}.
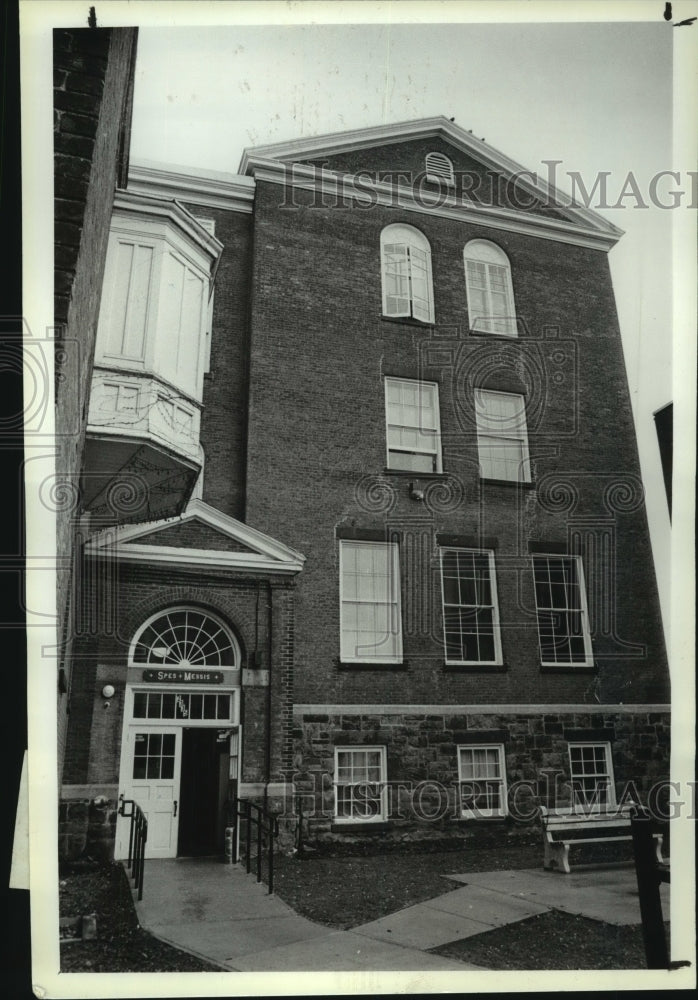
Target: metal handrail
{"type": "Point", "coordinates": [267, 828]}
{"type": "Point", "coordinates": [138, 836]}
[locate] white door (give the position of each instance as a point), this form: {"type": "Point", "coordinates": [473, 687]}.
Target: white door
{"type": "Point", "coordinates": [151, 778]}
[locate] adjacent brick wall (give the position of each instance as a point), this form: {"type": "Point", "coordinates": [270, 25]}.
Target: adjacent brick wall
{"type": "Point", "coordinates": [93, 88]}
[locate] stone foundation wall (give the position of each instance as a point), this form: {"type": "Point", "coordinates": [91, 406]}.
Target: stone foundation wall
{"type": "Point", "coordinates": [422, 767]}
{"type": "Point", "coordinates": [87, 828]}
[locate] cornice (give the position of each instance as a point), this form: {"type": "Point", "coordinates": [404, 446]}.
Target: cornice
{"type": "Point", "coordinates": [337, 185]}
{"type": "Point", "coordinates": [208, 188]}
{"type": "Point", "coordinates": [355, 139]}
{"type": "Point", "coordinates": [150, 206]}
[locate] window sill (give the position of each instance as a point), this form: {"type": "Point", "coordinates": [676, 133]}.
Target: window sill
{"type": "Point", "coordinates": [370, 665]}
{"type": "Point", "coordinates": [415, 475]}
{"type": "Point", "coordinates": [423, 324]}
{"type": "Point", "coordinates": [475, 668]}
{"type": "Point", "coordinates": [359, 826]}
{"type": "Point", "coordinates": [491, 333]}
{"type": "Point", "coordinates": [568, 668]}
{"type": "Point", "coordinates": [485, 480]}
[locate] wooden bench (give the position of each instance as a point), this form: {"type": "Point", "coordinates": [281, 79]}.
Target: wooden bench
{"type": "Point", "coordinates": [564, 827]}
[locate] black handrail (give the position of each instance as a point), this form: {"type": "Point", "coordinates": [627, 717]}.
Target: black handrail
{"type": "Point", "coordinates": [138, 836]}
{"type": "Point", "coordinates": [650, 874]}
{"type": "Point", "coordinates": [267, 831]}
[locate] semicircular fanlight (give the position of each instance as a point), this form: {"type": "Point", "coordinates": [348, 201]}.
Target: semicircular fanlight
{"type": "Point", "coordinates": [184, 638]}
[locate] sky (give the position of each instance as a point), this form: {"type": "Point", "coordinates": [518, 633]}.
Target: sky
{"type": "Point", "coordinates": [596, 96]}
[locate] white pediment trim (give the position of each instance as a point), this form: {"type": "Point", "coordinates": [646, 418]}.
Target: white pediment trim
{"type": "Point", "coordinates": [457, 137]}
{"type": "Point", "coordinates": [266, 555]}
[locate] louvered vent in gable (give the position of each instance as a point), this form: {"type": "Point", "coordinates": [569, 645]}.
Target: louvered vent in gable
{"type": "Point", "coordinates": [439, 169]}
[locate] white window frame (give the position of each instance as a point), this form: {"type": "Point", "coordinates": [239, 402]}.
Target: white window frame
{"type": "Point", "coordinates": [382, 795]}
{"type": "Point", "coordinates": [406, 243]}
{"type": "Point", "coordinates": [501, 781]}
{"type": "Point", "coordinates": [497, 661]}
{"type": "Point", "coordinates": [439, 169]}
{"type": "Point", "coordinates": [498, 320]}
{"type": "Point", "coordinates": [582, 610]}
{"type": "Point", "coordinates": [395, 450]}
{"type": "Point", "coordinates": [596, 805]}
{"type": "Point", "coordinates": [370, 655]}
{"type": "Point", "coordinates": [514, 434]}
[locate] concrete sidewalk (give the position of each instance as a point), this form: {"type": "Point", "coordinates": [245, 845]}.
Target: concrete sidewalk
{"type": "Point", "coordinates": [221, 914]}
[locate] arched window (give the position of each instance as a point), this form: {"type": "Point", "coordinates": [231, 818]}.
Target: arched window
{"type": "Point", "coordinates": [490, 293]}
{"type": "Point", "coordinates": [439, 169]}
{"type": "Point", "coordinates": [406, 272]}
{"type": "Point", "coordinates": [184, 638]}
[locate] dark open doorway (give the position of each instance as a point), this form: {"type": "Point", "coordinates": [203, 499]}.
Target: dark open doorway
{"type": "Point", "coordinates": [202, 791]}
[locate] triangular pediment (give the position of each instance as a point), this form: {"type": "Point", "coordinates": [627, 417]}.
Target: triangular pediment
{"type": "Point", "coordinates": [201, 536]}
{"type": "Point", "coordinates": [485, 180]}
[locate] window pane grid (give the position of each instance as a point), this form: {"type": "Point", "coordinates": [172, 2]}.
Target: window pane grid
{"type": "Point", "coordinates": [185, 638]}
{"type": "Point", "coordinates": [370, 601]}
{"type": "Point", "coordinates": [488, 287]}
{"type": "Point", "coordinates": [360, 784]}
{"type": "Point", "coordinates": [482, 780]}
{"type": "Point", "coordinates": [502, 436]}
{"type": "Point", "coordinates": [406, 269]}
{"type": "Point", "coordinates": [181, 705]}
{"type": "Point", "coordinates": [469, 607]}
{"type": "Point", "coordinates": [412, 425]}
{"type": "Point", "coordinates": [591, 774]}
{"type": "Point", "coordinates": [562, 624]}
{"type": "Point", "coordinates": [154, 756]}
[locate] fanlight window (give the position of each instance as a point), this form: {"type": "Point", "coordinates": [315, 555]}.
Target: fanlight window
{"type": "Point", "coordinates": [439, 168]}
{"type": "Point", "coordinates": [185, 638]}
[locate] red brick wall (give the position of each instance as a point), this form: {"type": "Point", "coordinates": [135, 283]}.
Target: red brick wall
{"type": "Point", "coordinates": [320, 350]}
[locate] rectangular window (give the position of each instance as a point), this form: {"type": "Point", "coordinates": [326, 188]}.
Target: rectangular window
{"type": "Point", "coordinates": [482, 778]}
{"type": "Point", "coordinates": [563, 627]}
{"type": "Point", "coordinates": [471, 619]}
{"type": "Point", "coordinates": [181, 705]}
{"type": "Point", "coordinates": [370, 602]}
{"type": "Point", "coordinates": [413, 425]}
{"type": "Point", "coordinates": [502, 436]}
{"type": "Point", "coordinates": [591, 773]}
{"type": "Point", "coordinates": [360, 784]}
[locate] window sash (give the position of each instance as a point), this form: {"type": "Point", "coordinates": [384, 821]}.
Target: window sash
{"type": "Point", "coordinates": [561, 606]}
{"type": "Point", "coordinates": [360, 784]}
{"type": "Point", "coordinates": [502, 436]}
{"type": "Point", "coordinates": [470, 607]}
{"type": "Point", "coordinates": [370, 617]}
{"type": "Point", "coordinates": [490, 297]}
{"type": "Point", "coordinates": [407, 279]}
{"type": "Point", "coordinates": [482, 780]}
{"type": "Point", "coordinates": [412, 425]}
{"type": "Point", "coordinates": [591, 775]}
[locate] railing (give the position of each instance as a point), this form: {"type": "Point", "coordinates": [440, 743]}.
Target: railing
{"type": "Point", "coordinates": [267, 830]}
{"type": "Point", "coordinates": [137, 839]}
{"type": "Point", "coordinates": [650, 874]}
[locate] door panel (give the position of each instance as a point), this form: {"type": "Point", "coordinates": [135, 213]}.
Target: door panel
{"type": "Point", "coordinates": [152, 769]}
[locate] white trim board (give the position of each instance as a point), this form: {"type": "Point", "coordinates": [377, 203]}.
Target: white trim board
{"type": "Point", "coordinates": [267, 555]}
{"type": "Point", "coordinates": [596, 709]}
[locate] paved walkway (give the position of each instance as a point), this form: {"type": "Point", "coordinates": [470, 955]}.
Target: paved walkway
{"type": "Point", "coordinates": [223, 915]}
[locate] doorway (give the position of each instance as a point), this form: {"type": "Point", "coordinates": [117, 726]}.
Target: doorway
{"type": "Point", "coordinates": [203, 791]}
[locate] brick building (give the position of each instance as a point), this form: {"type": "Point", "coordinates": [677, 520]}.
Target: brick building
{"type": "Point", "coordinates": [93, 73]}
{"type": "Point", "coordinates": [363, 513]}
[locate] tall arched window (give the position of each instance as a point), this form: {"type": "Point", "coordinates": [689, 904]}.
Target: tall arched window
{"type": "Point", "coordinates": [184, 638]}
{"type": "Point", "coordinates": [406, 273]}
{"type": "Point", "coordinates": [490, 293]}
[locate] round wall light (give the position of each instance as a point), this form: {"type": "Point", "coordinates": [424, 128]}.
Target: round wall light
{"type": "Point", "coordinates": [108, 691]}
